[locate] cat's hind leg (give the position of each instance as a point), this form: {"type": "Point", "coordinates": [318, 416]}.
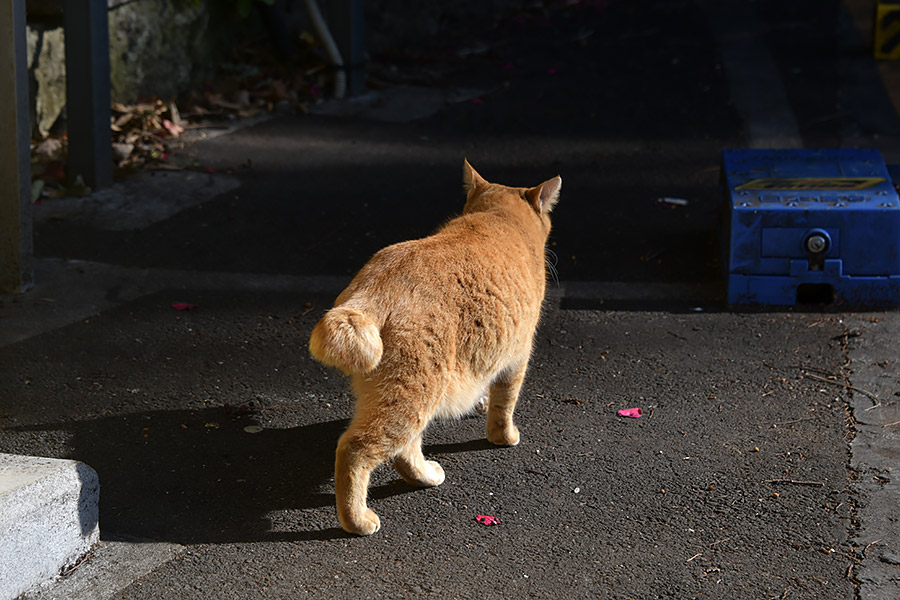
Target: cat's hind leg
{"type": "Point", "coordinates": [386, 425]}
{"type": "Point", "coordinates": [354, 462]}
{"type": "Point", "coordinates": [413, 467]}
{"type": "Point", "coordinates": [504, 393]}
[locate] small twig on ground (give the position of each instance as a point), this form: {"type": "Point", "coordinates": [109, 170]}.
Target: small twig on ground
{"type": "Point", "coordinates": [794, 421]}
{"type": "Point", "coordinates": [846, 386]}
{"type": "Point", "coordinates": [839, 553]}
{"type": "Point", "coordinates": [803, 367]}
{"type": "Point", "coordinates": [866, 549]}
{"type": "Point", "coordinates": [698, 555]}
{"type": "Point", "coordinates": [891, 424]}
{"type": "Point", "coordinates": [797, 482]}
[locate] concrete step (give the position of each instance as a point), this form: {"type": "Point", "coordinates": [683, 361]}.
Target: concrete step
{"type": "Point", "coordinates": [48, 519]}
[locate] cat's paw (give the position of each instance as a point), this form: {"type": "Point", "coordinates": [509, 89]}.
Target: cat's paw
{"type": "Point", "coordinates": [503, 436]}
{"type": "Point", "coordinates": [366, 524]}
{"type": "Point", "coordinates": [481, 405]}
{"type": "Point", "coordinates": [434, 474]}
{"type": "Point", "coordinates": [430, 475]}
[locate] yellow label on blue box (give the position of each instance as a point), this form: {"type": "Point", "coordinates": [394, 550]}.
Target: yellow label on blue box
{"type": "Point", "coordinates": [811, 183]}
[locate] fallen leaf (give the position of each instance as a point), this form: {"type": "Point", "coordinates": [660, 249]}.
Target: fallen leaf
{"type": "Point", "coordinates": [49, 149]}
{"type": "Point", "coordinates": [121, 151]}
{"type": "Point", "coordinates": [173, 129]}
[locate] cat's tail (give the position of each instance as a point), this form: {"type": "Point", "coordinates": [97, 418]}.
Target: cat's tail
{"type": "Point", "coordinates": [347, 338]}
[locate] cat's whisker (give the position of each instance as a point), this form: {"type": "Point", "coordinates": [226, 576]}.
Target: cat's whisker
{"type": "Point", "coordinates": [552, 260]}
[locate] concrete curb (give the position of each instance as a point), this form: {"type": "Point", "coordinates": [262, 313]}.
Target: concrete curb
{"type": "Point", "coordinates": [114, 565]}
{"type": "Point", "coordinates": [875, 457]}
{"type": "Point", "coordinates": [48, 519]}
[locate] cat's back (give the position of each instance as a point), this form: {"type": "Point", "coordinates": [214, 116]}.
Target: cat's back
{"type": "Point", "coordinates": [474, 255]}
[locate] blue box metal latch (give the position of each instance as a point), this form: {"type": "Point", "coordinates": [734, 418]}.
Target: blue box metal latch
{"type": "Point", "coordinates": [819, 224]}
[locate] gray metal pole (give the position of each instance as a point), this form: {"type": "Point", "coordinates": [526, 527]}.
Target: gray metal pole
{"type": "Point", "coordinates": [87, 92]}
{"type": "Point", "coordinates": [16, 240]}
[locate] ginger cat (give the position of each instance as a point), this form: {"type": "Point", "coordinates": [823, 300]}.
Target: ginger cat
{"type": "Point", "coordinates": [427, 325]}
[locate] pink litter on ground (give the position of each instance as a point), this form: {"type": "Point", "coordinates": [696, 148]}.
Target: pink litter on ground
{"type": "Point", "coordinates": [487, 520]}
{"type": "Point", "coordinates": [183, 306]}
{"type": "Point", "coordinates": [631, 413]}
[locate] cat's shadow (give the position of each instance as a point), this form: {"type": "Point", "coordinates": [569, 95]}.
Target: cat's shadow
{"type": "Point", "coordinates": [475, 445]}
{"type": "Point", "coordinates": [210, 476]}
{"type": "Point", "coordinates": [195, 476]}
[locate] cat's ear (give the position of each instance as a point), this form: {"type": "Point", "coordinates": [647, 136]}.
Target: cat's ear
{"type": "Point", "coordinates": [471, 178]}
{"type": "Point", "coordinates": [543, 197]}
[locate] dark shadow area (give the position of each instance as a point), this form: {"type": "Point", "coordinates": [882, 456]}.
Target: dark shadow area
{"type": "Point", "coordinates": [674, 305]}
{"type": "Point", "coordinates": [87, 499]}
{"type": "Point", "coordinates": [581, 90]}
{"type": "Point", "coordinates": [470, 446]}
{"type": "Point", "coordinates": [822, 34]}
{"type": "Point", "coordinates": [196, 476]}
{"type": "Point", "coordinates": [190, 476]}
{"type": "Point", "coordinates": [678, 306]}
{"type": "Point", "coordinates": [602, 230]}
{"type": "Point", "coordinates": [630, 103]}
{"type": "Point", "coordinates": [815, 294]}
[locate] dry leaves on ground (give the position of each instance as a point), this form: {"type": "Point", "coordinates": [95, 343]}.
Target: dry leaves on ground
{"type": "Point", "coordinates": [149, 133]}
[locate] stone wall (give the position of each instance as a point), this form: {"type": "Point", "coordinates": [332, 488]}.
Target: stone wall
{"type": "Point", "coordinates": [154, 46]}
{"type": "Point", "coordinates": [160, 48]}
{"type": "Point", "coordinates": [157, 48]}
{"type": "Point", "coordinates": [46, 75]}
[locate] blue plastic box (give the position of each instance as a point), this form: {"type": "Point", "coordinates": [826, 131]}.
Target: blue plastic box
{"type": "Point", "coordinates": [817, 225]}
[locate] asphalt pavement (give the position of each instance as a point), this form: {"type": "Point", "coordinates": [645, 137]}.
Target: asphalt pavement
{"type": "Point", "coordinates": [763, 465]}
